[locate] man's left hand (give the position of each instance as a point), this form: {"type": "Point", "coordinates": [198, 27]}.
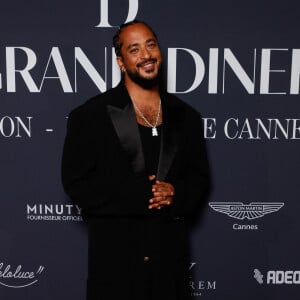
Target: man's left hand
{"type": "Point", "coordinates": [163, 193]}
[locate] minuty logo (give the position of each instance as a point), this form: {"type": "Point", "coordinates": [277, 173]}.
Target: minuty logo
{"type": "Point", "coordinates": [18, 278]}
{"type": "Point", "coordinates": [53, 212]}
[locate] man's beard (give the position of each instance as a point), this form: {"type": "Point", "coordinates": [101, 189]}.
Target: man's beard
{"type": "Point", "coordinates": [146, 83]}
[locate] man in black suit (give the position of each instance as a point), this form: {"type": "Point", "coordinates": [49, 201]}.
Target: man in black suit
{"type": "Point", "coordinates": [134, 161]}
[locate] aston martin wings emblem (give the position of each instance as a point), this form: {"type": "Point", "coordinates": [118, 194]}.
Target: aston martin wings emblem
{"type": "Point", "coordinates": [251, 211]}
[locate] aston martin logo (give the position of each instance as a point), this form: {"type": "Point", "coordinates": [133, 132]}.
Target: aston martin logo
{"type": "Point", "coordinates": [251, 211]}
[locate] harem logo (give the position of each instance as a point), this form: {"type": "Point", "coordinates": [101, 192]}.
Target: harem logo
{"type": "Point", "coordinates": [53, 212]}
{"type": "Point", "coordinates": [18, 277]}
{"type": "Point", "coordinates": [240, 211]}
{"type": "Point", "coordinates": [198, 287]}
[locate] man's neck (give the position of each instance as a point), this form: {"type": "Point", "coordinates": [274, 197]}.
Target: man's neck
{"type": "Point", "coordinates": [142, 96]}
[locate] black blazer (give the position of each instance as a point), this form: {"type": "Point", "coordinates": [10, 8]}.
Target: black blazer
{"type": "Point", "coordinates": [103, 171]}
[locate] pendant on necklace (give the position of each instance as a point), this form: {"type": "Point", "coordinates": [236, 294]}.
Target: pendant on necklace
{"type": "Point", "coordinates": [154, 131]}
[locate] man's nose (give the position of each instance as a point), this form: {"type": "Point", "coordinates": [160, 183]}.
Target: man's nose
{"type": "Point", "coordinates": [145, 53]}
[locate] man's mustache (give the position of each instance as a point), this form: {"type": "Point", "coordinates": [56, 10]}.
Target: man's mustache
{"type": "Point", "coordinates": [146, 61]}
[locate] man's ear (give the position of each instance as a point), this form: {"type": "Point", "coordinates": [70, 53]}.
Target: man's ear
{"type": "Point", "coordinates": [121, 64]}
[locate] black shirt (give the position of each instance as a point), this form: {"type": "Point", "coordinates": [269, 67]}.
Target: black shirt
{"type": "Point", "coordinates": [151, 148]}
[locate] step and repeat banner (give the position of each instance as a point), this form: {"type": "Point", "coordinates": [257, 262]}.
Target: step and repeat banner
{"type": "Point", "coordinates": [237, 62]}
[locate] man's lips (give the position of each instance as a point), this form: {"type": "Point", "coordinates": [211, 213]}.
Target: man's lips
{"type": "Point", "coordinates": [147, 63]}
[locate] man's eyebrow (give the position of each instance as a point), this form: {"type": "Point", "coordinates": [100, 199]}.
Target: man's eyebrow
{"type": "Point", "coordinates": [132, 45]}
{"type": "Point", "coordinates": [151, 40]}
{"type": "Point", "coordinates": [136, 44]}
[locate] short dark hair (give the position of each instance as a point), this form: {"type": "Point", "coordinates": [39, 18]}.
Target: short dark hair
{"type": "Point", "coordinates": [116, 39]}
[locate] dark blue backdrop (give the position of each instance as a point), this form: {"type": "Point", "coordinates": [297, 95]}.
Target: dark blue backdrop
{"type": "Point", "coordinates": [238, 63]}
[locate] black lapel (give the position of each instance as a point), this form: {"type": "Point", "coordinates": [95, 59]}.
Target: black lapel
{"type": "Point", "coordinates": [124, 121]}
{"type": "Point", "coordinates": [172, 127]}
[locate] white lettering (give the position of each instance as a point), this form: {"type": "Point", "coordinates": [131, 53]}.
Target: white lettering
{"type": "Point", "coordinates": [11, 69]}
{"type": "Point", "coordinates": [246, 129]}
{"type": "Point", "coordinates": [244, 227]}
{"type": "Point", "coordinates": [116, 73]}
{"type": "Point", "coordinates": [213, 71]}
{"type": "Point", "coordinates": [90, 69]}
{"type": "Point", "coordinates": [21, 124]}
{"type": "Point", "coordinates": [13, 126]}
{"type": "Point", "coordinates": [9, 124]}
{"type": "Point", "coordinates": [55, 56]}
{"type": "Point", "coordinates": [238, 70]}
{"type": "Point", "coordinates": [271, 129]}
{"type": "Point", "coordinates": [296, 129]}
{"type": "Point", "coordinates": [172, 70]}
{"type": "Point", "coordinates": [18, 72]}
{"type": "Point", "coordinates": [211, 285]}
{"type": "Point", "coordinates": [18, 273]}
{"type": "Point", "coordinates": [132, 12]}
{"type": "Point", "coordinates": [236, 123]}
{"type": "Point", "coordinates": [295, 72]}
{"type": "Point", "coordinates": [31, 209]}
{"type": "Point", "coordinates": [209, 126]}
{"type": "Point", "coordinates": [283, 277]}
{"type": "Point", "coordinates": [266, 70]}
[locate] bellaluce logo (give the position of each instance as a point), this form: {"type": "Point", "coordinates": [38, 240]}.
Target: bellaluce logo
{"type": "Point", "coordinates": [17, 277]}
{"type": "Point", "coordinates": [251, 211]}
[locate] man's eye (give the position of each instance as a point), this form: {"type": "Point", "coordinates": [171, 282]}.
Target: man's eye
{"type": "Point", "coordinates": [134, 50]}
{"type": "Point", "coordinates": [152, 45]}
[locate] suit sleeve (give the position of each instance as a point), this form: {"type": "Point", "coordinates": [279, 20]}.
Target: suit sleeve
{"type": "Point", "coordinates": [193, 185]}
{"type": "Point", "coordinates": [80, 179]}
{"type": "Point", "coordinates": [84, 175]}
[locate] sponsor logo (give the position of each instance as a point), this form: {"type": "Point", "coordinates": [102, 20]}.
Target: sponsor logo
{"type": "Point", "coordinates": [240, 211]}
{"type": "Point", "coordinates": [18, 277]}
{"type": "Point", "coordinates": [277, 277]}
{"type": "Point", "coordinates": [258, 276]}
{"type": "Point", "coordinates": [53, 212]}
{"type": "Point", "coordinates": [200, 287]}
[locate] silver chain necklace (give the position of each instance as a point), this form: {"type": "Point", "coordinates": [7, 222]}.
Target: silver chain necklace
{"type": "Point", "coordinates": [154, 127]}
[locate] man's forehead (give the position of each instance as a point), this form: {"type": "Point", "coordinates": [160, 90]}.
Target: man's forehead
{"type": "Point", "coordinates": [135, 33]}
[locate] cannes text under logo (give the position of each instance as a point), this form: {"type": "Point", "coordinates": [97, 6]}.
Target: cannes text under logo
{"type": "Point", "coordinates": [251, 211]}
